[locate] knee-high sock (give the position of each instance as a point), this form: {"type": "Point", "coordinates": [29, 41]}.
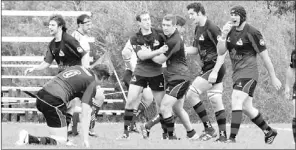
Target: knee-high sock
{"type": "Point", "coordinates": [128, 117]}
{"type": "Point", "coordinates": [41, 140]}
{"type": "Point", "coordinates": [221, 120]}
{"type": "Point", "coordinates": [259, 121]}
{"type": "Point", "coordinates": [202, 113]}
{"type": "Point", "coordinates": [163, 125]}
{"type": "Point", "coordinates": [170, 124]}
{"type": "Point", "coordinates": [236, 120]}
{"type": "Point", "coordinates": [152, 122]}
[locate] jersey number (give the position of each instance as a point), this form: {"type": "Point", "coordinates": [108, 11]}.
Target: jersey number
{"type": "Point", "coordinates": [71, 73]}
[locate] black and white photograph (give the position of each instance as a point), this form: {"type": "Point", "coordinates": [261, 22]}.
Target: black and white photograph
{"type": "Point", "coordinates": [81, 74]}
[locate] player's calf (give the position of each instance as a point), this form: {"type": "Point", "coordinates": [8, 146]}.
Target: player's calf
{"type": "Point", "coordinates": [26, 138]}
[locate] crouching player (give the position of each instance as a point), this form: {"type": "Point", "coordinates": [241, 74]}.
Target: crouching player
{"type": "Point", "coordinates": [53, 98]}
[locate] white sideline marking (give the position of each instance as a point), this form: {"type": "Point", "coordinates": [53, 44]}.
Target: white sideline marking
{"type": "Point", "coordinates": [248, 126]}
{"type": "Point", "coordinates": [119, 123]}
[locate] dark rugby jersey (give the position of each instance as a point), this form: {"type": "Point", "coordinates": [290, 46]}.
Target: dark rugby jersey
{"type": "Point", "coordinates": [68, 53]}
{"type": "Point", "coordinates": [243, 47]}
{"type": "Point", "coordinates": [293, 65]}
{"type": "Point", "coordinates": [177, 67]}
{"type": "Point", "coordinates": [75, 81]}
{"type": "Point", "coordinates": [205, 40]}
{"type": "Point", "coordinates": [155, 40]}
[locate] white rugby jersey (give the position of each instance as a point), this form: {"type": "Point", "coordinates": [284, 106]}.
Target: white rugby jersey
{"type": "Point", "coordinates": [82, 39]}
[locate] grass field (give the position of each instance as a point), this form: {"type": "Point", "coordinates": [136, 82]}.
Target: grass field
{"type": "Point", "coordinates": [249, 137]}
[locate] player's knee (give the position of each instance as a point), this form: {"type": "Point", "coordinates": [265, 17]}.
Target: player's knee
{"type": "Point", "coordinates": [216, 99]}
{"type": "Point", "coordinates": [193, 95]}
{"type": "Point", "coordinates": [165, 108]}
{"type": "Point", "coordinates": [237, 99]}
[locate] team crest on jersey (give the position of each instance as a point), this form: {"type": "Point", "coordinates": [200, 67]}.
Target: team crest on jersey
{"type": "Point", "coordinates": [134, 46]}
{"type": "Point", "coordinates": [168, 89]}
{"type": "Point", "coordinates": [262, 42]}
{"type": "Point", "coordinates": [228, 39]}
{"type": "Point", "coordinates": [239, 42]}
{"type": "Point", "coordinates": [156, 43]}
{"type": "Point", "coordinates": [61, 53]}
{"type": "Point", "coordinates": [239, 84]}
{"type": "Point", "coordinates": [160, 85]}
{"type": "Point", "coordinates": [134, 78]}
{"type": "Point", "coordinates": [71, 73]}
{"type": "Point", "coordinates": [79, 49]}
{"type": "Point", "coordinates": [201, 38]}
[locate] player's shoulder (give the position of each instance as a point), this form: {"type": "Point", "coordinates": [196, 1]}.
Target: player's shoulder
{"type": "Point", "coordinates": [51, 43]}
{"type": "Point", "coordinates": [67, 37]}
{"type": "Point", "coordinates": [212, 26]}
{"type": "Point", "coordinates": [251, 29]}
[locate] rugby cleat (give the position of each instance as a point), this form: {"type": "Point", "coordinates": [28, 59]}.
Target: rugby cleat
{"type": "Point", "coordinates": [221, 139]}
{"type": "Point", "coordinates": [23, 138]}
{"type": "Point", "coordinates": [134, 129]}
{"type": "Point", "coordinates": [269, 137]}
{"type": "Point", "coordinates": [72, 134]}
{"type": "Point", "coordinates": [207, 134]}
{"type": "Point", "coordinates": [174, 137]}
{"type": "Point", "coordinates": [165, 136]}
{"type": "Point", "coordinates": [123, 137]}
{"type": "Point", "coordinates": [92, 133]}
{"type": "Point", "coordinates": [231, 140]}
{"type": "Point", "coordinates": [194, 137]}
{"type": "Point", "coordinates": [145, 132]}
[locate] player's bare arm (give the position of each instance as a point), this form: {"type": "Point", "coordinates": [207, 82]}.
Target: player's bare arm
{"type": "Point", "coordinates": [41, 66]}
{"type": "Point", "coordinates": [126, 55]}
{"type": "Point", "coordinates": [87, 101]}
{"type": "Point", "coordinates": [160, 59]}
{"type": "Point", "coordinates": [146, 53]}
{"type": "Point", "coordinates": [269, 66]}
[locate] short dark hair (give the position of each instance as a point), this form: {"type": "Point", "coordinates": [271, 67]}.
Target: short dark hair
{"type": "Point", "coordinates": [180, 20]}
{"type": "Point", "coordinates": [101, 70]}
{"type": "Point", "coordinates": [170, 17]}
{"type": "Point", "coordinates": [197, 7]}
{"type": "Point", "coordinates": [138, 17]}
{"type": "Point", "coordinates": [60, 21]}
{"type": "Point", "coordinates": [80, 19]}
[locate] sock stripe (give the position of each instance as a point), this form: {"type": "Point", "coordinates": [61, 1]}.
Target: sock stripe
{"type": "Point", "coordinates": [202, 113]}
{"type": "Point", "coordinates": [235, 125]}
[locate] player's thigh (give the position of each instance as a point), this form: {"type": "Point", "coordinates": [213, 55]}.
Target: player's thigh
{"type": "Point", "coordinates": [200, 85]}
{"type": "Point", "coordinates": [127, 76]}
{"type": "Point", "coordinates": [178, 106]}
{"type": "Point", "coordinates": [137, 84]}
{"type": "Point", "coordinates": [53, 109]}
{"type": "Point", "coordinates": [147, 96]}
{"type": "Point", "coordinates": [134, 93]}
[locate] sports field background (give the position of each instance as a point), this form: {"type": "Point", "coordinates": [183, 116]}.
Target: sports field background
{"type": "Point", "coordinates": [249, 137]}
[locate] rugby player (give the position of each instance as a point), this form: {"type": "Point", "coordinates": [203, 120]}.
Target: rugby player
{"type": "Point", "coordinates": [211, 78]}
{"type": "Point", "coordinates": [290, 78]}
{"type": "Point", "coordinates": [64, 48]}
{"type": "Point", "coordinates": [177, 80]}
{"type": "Point", "coordinates": [82, 33]}
{"type": "Point", "coordinates": [53, 98]}
{"type": "Point", "coordinates": [244, 42]}
{"type": "Point", "coordinates": [178, 108]}
{"type": "Point", "coordinates": [147, 43]}
{"type": "Point", "coordinates": [146, 98]}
